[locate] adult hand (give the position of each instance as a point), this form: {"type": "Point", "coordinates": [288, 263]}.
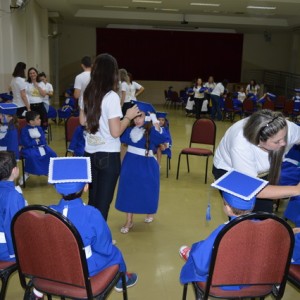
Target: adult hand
{"type": "Point", "coordinates": [132, 112]}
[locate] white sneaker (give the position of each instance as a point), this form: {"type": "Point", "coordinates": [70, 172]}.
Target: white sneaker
{"type": "Point", "coordinates": [21, 178]}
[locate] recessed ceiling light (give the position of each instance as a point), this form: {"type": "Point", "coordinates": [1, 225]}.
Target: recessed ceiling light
{"type": "Point", "coordinates": [205, 4]}
{"type": "Point", "coordinates": [147, 1]}
{"type": "Point", "coordinates": [166, 9]}
{"type": "Point", "coordinates": [115, 6]}
{"type": "Point", "coordinates": [261, 7]}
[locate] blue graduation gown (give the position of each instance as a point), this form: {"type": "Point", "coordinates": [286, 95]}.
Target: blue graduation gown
{"type": "Point", "coordinates": [296, 252]}
{"type": "Point", "coordinates": [77, 143]}
{"type": "Point", "coordinates": [11, 201]}
{"type": "Point", "coordinates": [35, 163]}
{"type": "Point", "coordinates": [139, 182]}
{"type": "Point", "coordinates": [168, 151]}
{"type": "Point", "coordinates": [9, 139]}
{"type": "Point", "coordinates": [94, 232]}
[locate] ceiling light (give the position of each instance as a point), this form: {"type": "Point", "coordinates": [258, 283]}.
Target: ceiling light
{"type": "Point", "coordinates": [115, 6]}
{"type": "Point", "coordinates": [205, 4]}
{"type": "Point", "coordinates": [147, 1]}
{"type": "Point", "coordinates": [260, 7]}
{"type": "Point", "coordinates": [167, 9]}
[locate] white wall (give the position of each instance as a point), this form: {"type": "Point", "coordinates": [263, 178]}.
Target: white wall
{"type": "Point", "coordinates": [23, 37]}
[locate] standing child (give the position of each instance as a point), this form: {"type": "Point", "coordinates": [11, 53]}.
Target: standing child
{"type": "Point", "coordinates": [11, 201]}
{"type": "Point", "coordinates": [70, 177]}
{"type": "Point", "coordinates": [198, 257]}
{"type": "Point", "coordinates": [164, 148]}
{"type": "Point", "coordinates": [35, 150]}
{"type": "Point", "coordinates": [48, 89]}
{"type": "Point", "coordinates": [189, 108]}
{"type": "Point", "coordinates": [8, 128]}
{"type": "Point", "coordinates": [139, 179]}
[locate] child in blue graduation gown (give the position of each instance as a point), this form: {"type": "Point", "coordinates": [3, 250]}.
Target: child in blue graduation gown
{"type": "Point", "coordinates": [35, 149]}
{"type": "Point", "coordinates": [164, 148]}
{"type": "Point", "coordinates": [11, 201]}
{"type": "Point", "coordinates": [77, 143]}
{"type": "Point", "coordinates": [198, 257]}
{"type": "Point", "coordinates": [8, 128]}
{"type": "Point", "coordinates": [70, 176]}
{"type": "Point", "coordinates": [68, 107]}
{"type": "Point", "coordinates": [140, 170]}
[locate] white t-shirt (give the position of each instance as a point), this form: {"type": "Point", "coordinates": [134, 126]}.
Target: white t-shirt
{"type": "Point", "coordinates": [125, 88]}
{"type": "Point", "coordinates": [241, 96]}
{"type": "Point", "coordinates": [211, 86]}
{"type": "Point", "coordinates": [102, 140]}
{"type": "Point", "coordinates": [234, 151]}
{"type": "Point", "coordinates": [133, 87]}
{"type": "Point", "coordinates": [81, 82]}
{"type": "Point", "coordinates": [218, 90]}
{"type": "Point", "coordinates": [33, 94]}
{"type": "Point", "coordinates": [197, 94]}
{"type": "Point", "coordinates": [49, 88]}
{"type": "Point", "coordinates": [17, 85]}
{"type": "Point", "coordinates": [254, 89]}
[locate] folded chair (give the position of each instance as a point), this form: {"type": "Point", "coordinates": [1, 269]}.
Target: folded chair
{"type": "Point", "coordinates": [203, 132]}
{"type": "Point", "coordinates": [6, 269]}
{"type": "Point", "coordinates": [253, 251]}
{"type": "Point", "coordinates": [51, 257]}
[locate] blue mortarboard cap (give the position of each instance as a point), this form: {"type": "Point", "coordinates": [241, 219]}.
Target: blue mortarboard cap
{"type": "Point", "coordinates": [271, 96]}
{"type": "Point", "coordinates": [69, 91]}
{"type": "Point", "coordinates": [160, 114]}
{"type": "Point", "coordinates": [190, 91]}
{"type": "Point", "coordinates": [235, 94]}
{"type": "Point", "coordinates": [69, 174]}
{"type": "Point", "coordinates": [239, 190]}
{"type": "Point", "coordinates": [8, 108]}
{"type": "Point", "coordinates": [297, 90]}
{"type": "Point", "coordinates": [6, 96]}
{"type": "Point", "coordinates": [144, 106]}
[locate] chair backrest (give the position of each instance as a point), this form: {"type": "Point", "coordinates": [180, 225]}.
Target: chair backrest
{"type": "Point", "coordinates": [228, 104]}
{"type": "Point", "coordinates": [288, 108]}
{"type": "Point", "coordinates": [255, 249]}
{"type": "Point", "coordinates": [248, 105]}
{"type": "Point", "coordinates": [175, 97]}
{"type": "Point", "coordinates": [49, 247]}
{"type": "Point", "coordinates": [204, 132]}
{"type": "Point", "coordinates": [70, 126]}
{"type": "Point", "coordinates": [269, 105]}
{"type": "Point", "coordinates": [280, 101]}
{"type": "Point", "coordinates": [21, 124]}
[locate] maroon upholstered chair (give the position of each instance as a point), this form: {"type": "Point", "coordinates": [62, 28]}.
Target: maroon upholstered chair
{"type": "Point", "coordinates": [51, 257]}
{"type": "Point", "coordinates": [254, 250]}
{"type": "Point", "coordinates": [70, 126]}
{"type": "Point", "coordinates": [6, 269]}
{"type": "Point", "coordinates": [203, 132]}
{"type": "Point", "coordinates": [294, 275]}
{"type": "Point", "coordinates": [229, 110]}
{"type": "Point", "coordinates": [248, 107]}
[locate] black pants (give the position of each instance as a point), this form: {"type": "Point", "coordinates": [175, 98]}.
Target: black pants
{"type": "Point", "coordinates": [40, 109]}
{"type": "Point", "coordinates": [106, 168]}
{"type": "Point", "coordinates": [265, 205]}
{"type": "Point", "coordinates": [198, 106]}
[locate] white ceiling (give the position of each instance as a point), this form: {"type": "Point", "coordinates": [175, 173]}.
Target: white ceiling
{"type": "Point", "coordinates": [231, 14]}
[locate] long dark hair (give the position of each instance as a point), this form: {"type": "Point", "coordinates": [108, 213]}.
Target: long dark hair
{"type": "Point", "coordinates": [261, 126]}
{"type": "Point", "coordinates": [104, 78]}
{"type": "Point", "coordinates": [19, 70]}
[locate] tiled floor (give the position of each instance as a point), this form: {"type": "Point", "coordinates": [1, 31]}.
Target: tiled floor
{"type": "Point", "coordinates": [151, 250]}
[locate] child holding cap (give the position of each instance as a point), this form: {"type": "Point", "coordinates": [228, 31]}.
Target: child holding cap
{"type": "Point", "coordinates": [139, 179]}
{"type": "Point", "coordinates": [70, 177]}
{"type": "Point", "coordinates": [198, 256]}
{"type": "Point", "coordinates": [8, 128]}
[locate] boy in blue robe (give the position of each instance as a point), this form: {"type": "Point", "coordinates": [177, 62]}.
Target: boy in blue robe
{"type": "Point", "coordinates": [70, 176]}
{"type": "Point", "coordinates": [198, 257]}
{"type": "Point", "coordinates": [11, 201]}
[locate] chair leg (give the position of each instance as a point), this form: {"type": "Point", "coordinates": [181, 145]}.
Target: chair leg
{"type": "Point", "coordinates": [168, 161]}
{"type": "Point", "coordinates": [5, 274]}
{"type": "Point", "coordinates": [188, 163]}
{"type": "Point", "coordinates": [23, 172]}
{"type": "Point", "coordinates": [184, 291]}
{"type": "Point", "coordinates": [124, 287]}
{"type": "Point", "coordinates": [178, 165]}
{"type": "Point", "coordinates": [205, 181]}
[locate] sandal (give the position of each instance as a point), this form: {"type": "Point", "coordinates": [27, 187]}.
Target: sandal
{"type": "Point", "coordinates": [149, 220]}
{"type": "Point", "coordinates": [126, 229]}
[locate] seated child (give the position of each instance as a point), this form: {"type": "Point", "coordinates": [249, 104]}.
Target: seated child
{"type": "Point", "coordinates": [164, 148]}
{"type": "Point", "coordinates": [296, 100]}
{"type": "Point", "coordinates": [9, 140]}
{"type": "Point", "coordinates": [237, 104]}
{"type": "Point", "coordinates": [11, 201]}
{"type": "Point", "coordinates": [70, 177]}
{"type": "Point", "coordinates": [241, 94]}
{"type": "Point", "coordinates": [198, 257]}
{"type": "Point", "coordinates": [68, 107]}
{"type": "Point", "coordinates": [77, 143]}
{"type": "Point", "coordinates": [35, 150]}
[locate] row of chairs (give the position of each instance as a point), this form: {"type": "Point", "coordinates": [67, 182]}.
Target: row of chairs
{"type": "Point", "coordinates": [51, 258]}
{"type": "Point", "coordinates": [174, 100]}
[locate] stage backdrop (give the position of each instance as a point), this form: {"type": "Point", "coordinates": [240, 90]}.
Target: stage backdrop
{"type": "Point", "coordinates": [174, 55]}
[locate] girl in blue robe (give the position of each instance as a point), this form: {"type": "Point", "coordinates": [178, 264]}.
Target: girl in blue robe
{"type": "Point", "coordinates": [139, 182]}
{"type": "Point", "coordinates": [35, 150]}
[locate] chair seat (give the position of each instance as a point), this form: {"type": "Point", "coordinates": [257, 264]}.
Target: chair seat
{"type": "Point", "coordinates": [6, 264]}
{"type": "Point", "coordinates": [98, 286]}
{"type": "Point", "coordinates": [248, 291]}
{"type": "Point", "coordinates": [294, 272]}
{"type": "Point", "coordinates": [197, 151]}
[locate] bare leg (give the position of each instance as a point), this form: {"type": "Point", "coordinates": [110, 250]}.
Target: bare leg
{"type": "Point", "coordinates": [129, 223]}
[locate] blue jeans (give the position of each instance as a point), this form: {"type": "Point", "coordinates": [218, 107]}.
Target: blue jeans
{"type": "Point", "coordinates": [216, 109]}
{"type": "Point", "coordinates": [106, 168]}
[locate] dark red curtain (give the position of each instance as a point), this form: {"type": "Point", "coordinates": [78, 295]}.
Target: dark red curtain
{"type": "Point", "coordinates": [174, 55]}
